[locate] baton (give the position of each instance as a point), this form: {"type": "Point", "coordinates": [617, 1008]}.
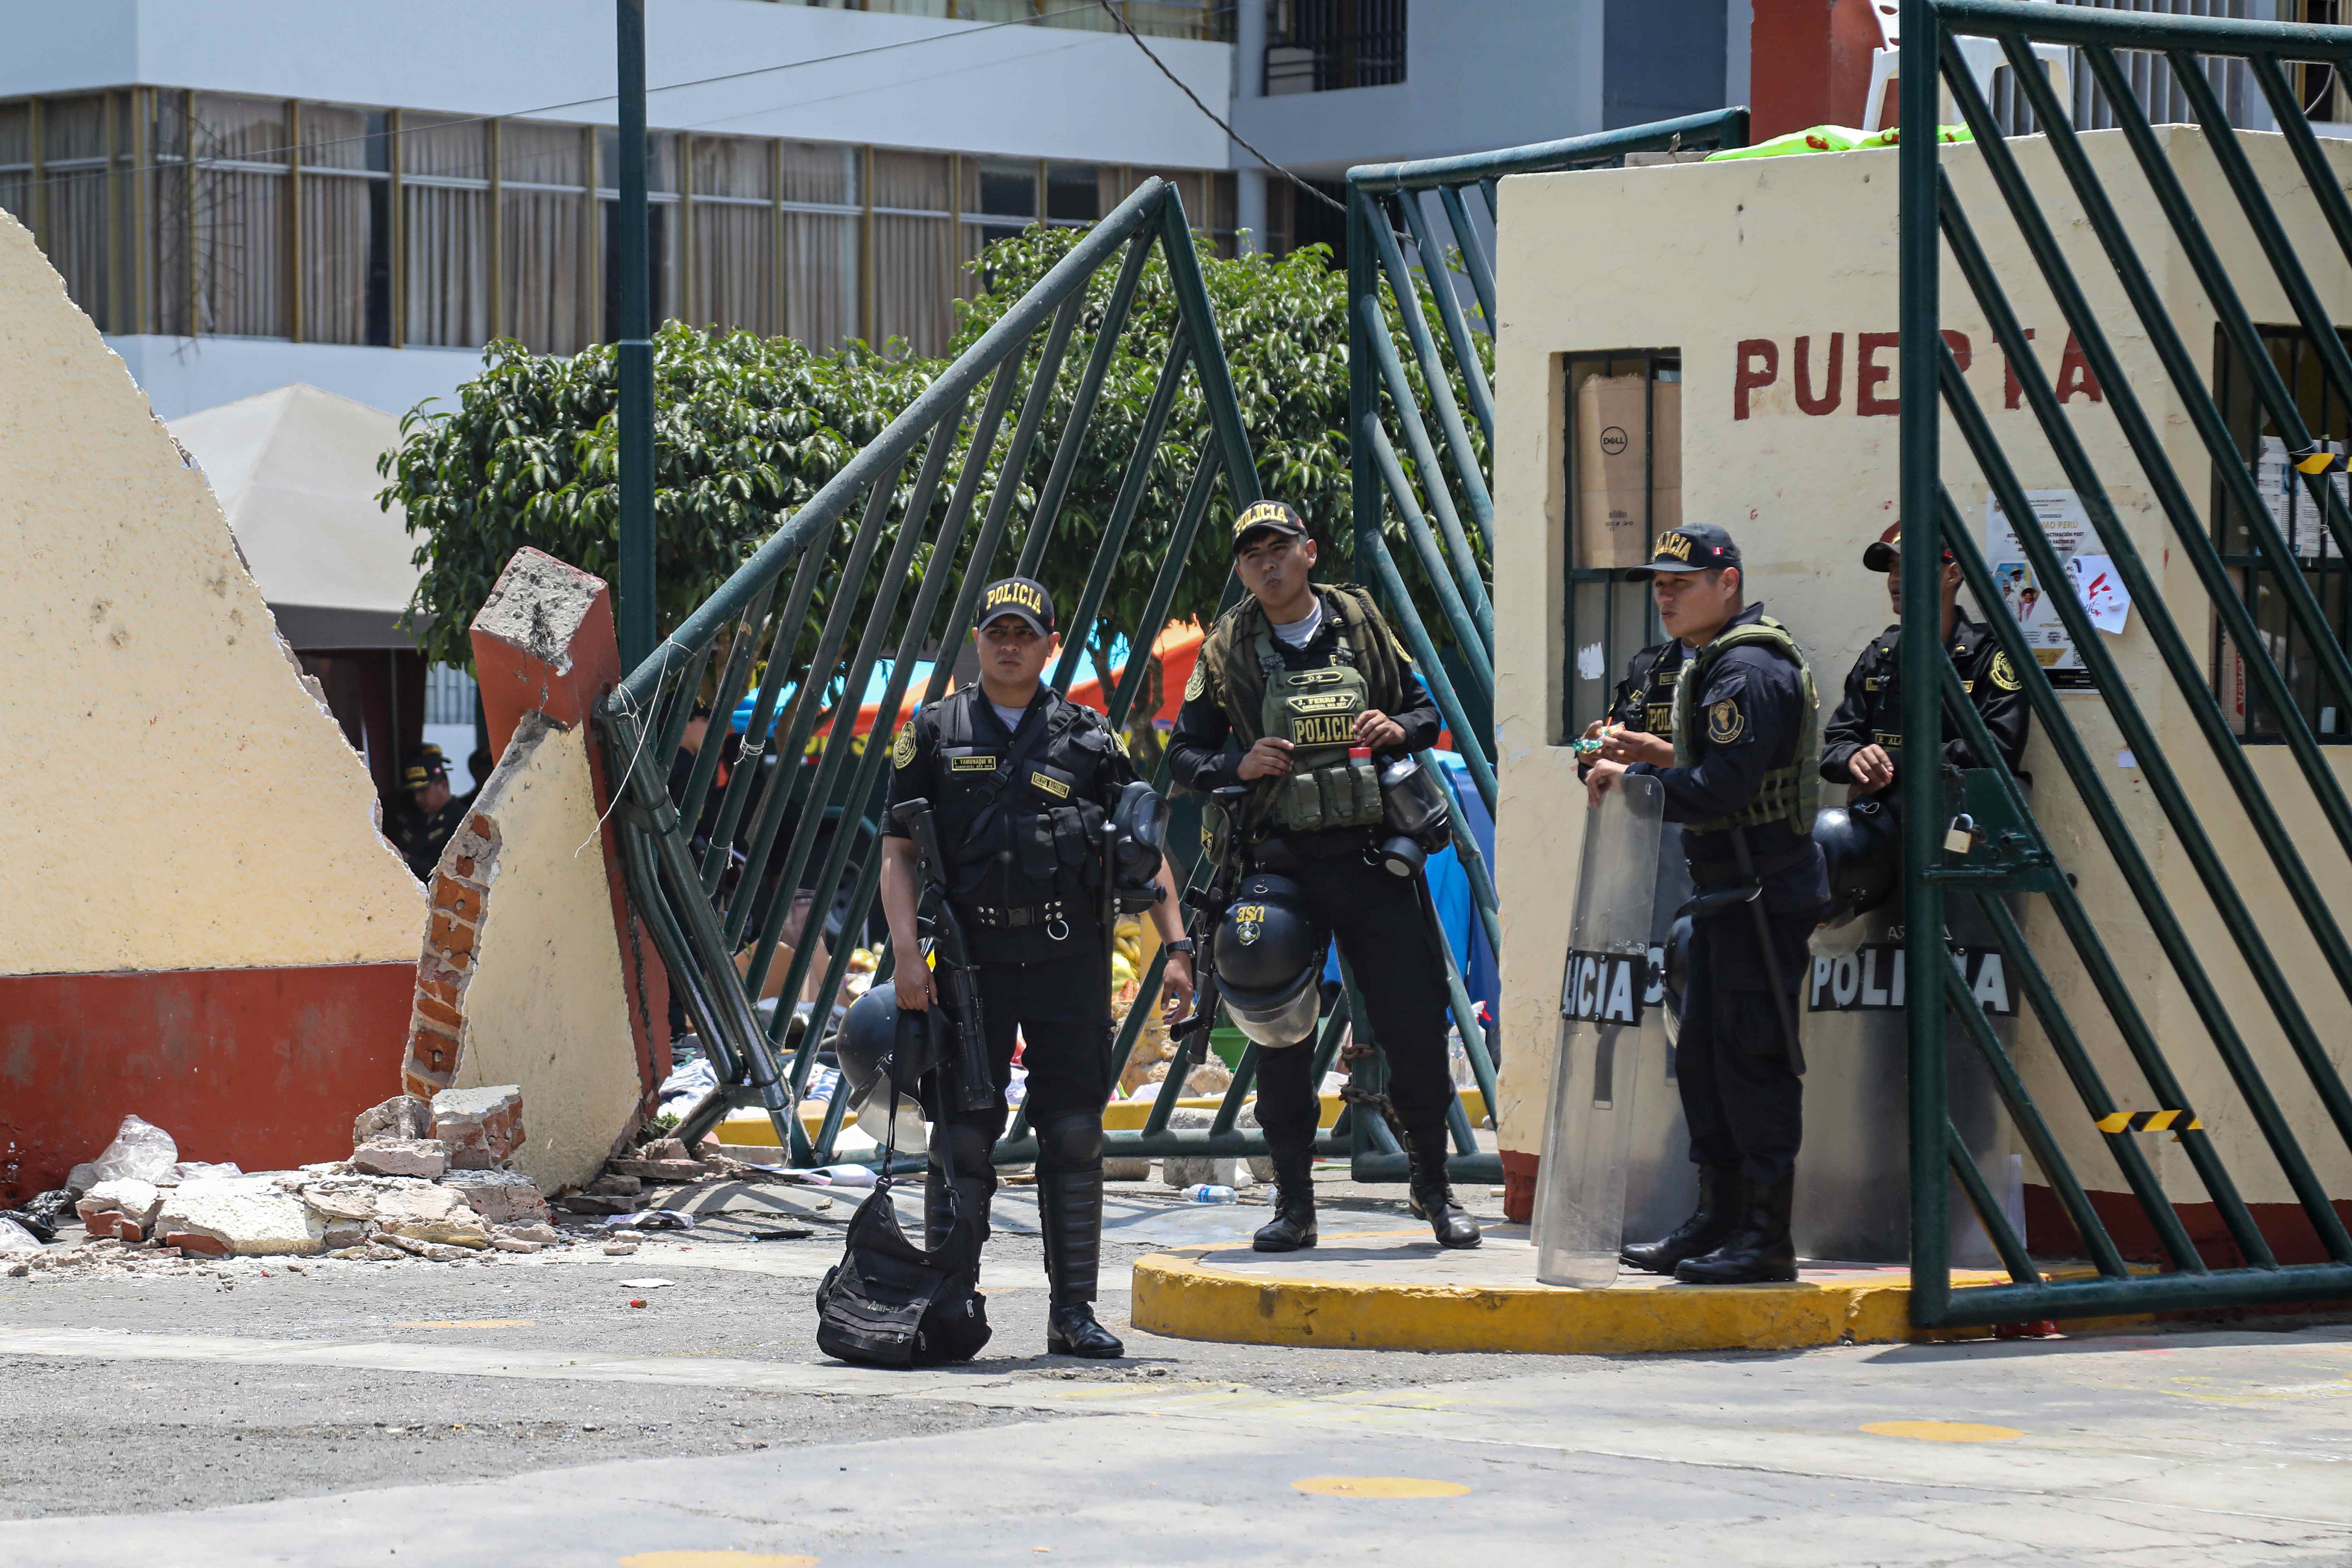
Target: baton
{"type": "Point", "coordinates": [1782, 1001]}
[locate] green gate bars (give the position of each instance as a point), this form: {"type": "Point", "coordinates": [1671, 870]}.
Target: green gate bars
{"type": "Point", "coordinates": [887, 562]}
{"type": "Point", "coordinates": [2269, 617]}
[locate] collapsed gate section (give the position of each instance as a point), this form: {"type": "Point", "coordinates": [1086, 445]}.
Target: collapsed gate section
{"type": "Point", "coordinates": [744, 884]}
{"type": "Point", "coordinates": [2162, 900]}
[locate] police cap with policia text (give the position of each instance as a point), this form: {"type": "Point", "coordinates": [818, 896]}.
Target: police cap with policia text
{"type": "Point", "coordinates": [1021, 596]}
{"type": "Point", "coordinates": [1267, 517]}
{"type": "Point", "coordinates": [1886, 553]}
{"type": "Point", "coordinates": [427, 765]}
{"type": "Point", "coordinates": [1693, 547]}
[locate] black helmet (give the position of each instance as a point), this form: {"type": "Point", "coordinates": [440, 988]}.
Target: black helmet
{"type": "Point", "coordinates": [1865, 852]}
{"type": "Point", "coordinates": [1269, 955]}
{"type": "Point", "coordinates": [870, 1032]}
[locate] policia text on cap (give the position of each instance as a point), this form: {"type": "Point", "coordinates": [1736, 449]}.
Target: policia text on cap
{"type": "Point", "coordinates": [1020, 780]}
{"type": "Point", "coordinates": [1298, 676]}
{"type": "Point", "coordinates": [1739, 774]}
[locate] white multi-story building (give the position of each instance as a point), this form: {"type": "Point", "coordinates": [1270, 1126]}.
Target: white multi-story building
{"type": "Point", "coordinates": [249, 193]}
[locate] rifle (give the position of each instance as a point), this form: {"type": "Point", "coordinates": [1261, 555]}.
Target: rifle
{"type": "Point", "coordinates": [974, 1088]}
{"type": "Point", "coordinates": [1208, 903]}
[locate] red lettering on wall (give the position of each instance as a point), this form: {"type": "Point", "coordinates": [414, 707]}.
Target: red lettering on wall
{"type": "Point", "coordinates": [2010, 390]}
{"type": "Point", "coordinates": [1958, 342]}
{"type": "Point", "coordinates": [1833, 378]}
{"type": "Point", "coordinates": [1868, 374]}
{"type": "Point", "coordinates": [1759, 365]}
{"type": "Point", "coordinates": [2074, 375]}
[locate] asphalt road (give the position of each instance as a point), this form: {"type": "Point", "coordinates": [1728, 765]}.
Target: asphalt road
{"type": "Point", "coordinates": [522, 1412]}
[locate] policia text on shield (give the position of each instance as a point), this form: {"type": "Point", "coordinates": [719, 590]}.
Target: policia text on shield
{"type": "Point", "coordinates": [1325, 715]}
{"type": "Point", "coordinates": [1739, 774]}
{"type": "Point", "coordinates": [1025, 787]}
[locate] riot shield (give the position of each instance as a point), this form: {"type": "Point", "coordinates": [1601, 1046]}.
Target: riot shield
{"type": "Point", "coordinates": [1580, 1219]}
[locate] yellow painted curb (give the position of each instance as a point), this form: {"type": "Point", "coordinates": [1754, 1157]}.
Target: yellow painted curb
{"type": "Point", "coordinates": [1184, 1298]}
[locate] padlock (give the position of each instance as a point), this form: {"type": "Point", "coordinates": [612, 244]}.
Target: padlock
{"type": "Point", "coordinates": [1960, 838]}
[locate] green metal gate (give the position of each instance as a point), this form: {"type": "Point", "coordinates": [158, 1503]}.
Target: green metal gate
{"type": "Point", "coordinates": [886, 557]}
{"type": "Point", "coordinates": [2262, 593]}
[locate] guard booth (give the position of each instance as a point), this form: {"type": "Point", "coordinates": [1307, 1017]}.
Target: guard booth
{"type": "Point", "coordinates": [2104, 358]}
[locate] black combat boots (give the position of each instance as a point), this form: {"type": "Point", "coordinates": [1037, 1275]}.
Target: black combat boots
{"type": "Point", "coordinates": [1758, 1252]}
{"type": "Point", "coordinates": [1433, 1197]}
{"type": "Point", "coordinates": [1070, 1205]}
{"type": "Point", "coordinates": [1710, 1224]}
{"type": "Point", "coordinates": [1293, 1225]}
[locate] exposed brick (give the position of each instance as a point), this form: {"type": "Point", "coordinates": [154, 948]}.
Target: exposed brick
{"type": "Point", "coordinates": [429, 1009]}
{"type": "Point", "coordinates": [463, 866]}
{"type": "Point", "coordinates": [439, 990]}
{"type": "Point", "coordinates": [451, 936]}
{"type": "Point", "coordinates": [453, 897]}
{"type": "Point", "coordinates": [195, 1245]}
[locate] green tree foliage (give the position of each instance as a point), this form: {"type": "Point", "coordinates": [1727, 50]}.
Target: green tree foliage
{"type": "Point", "coordinates": [748, 428]}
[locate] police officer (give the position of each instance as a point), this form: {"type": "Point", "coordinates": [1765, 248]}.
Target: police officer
{"type": "Point", "coordinates": [1020, 780]}
{"type": "Point", "coordinates": [1739, 774]}
{"type": "Point", "coordinates": [1296, 675]}
{"type": "Point", "coordinates": [421, 831]}
{"type": "Point", "coordinates": [1862, 746]}
{"type": "Point", "coordinates": [1644, 700]}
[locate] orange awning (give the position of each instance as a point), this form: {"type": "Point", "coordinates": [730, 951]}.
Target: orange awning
{"type": "Point", "coordinates": [1178, 646]}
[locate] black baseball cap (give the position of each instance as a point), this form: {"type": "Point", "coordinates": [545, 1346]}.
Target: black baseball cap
{"type": "Point", "coordinates": [1886, 553]}
{"type": "Point", "coordinates": [1267, 517]}
{"type": "Point", "coordinates": [1692, 547]}
{"type": "Point", "coordinates": [427, 765]}
{"type": "Point", "coordinates": [1022, 597]}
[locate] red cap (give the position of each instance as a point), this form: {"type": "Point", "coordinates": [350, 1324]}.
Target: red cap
{"type": "Point", "coordinates": [1354, 752]}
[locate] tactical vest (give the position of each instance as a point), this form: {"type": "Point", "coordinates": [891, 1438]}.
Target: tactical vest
{"type": "Point", "coordinates": [1789, 795]}
{"type": "Point", "coordinates": [1019, 820]}
{"type": "Point", "coordinates": [1246, 668]}
{"type": "Point", "coordinates": [1315, 710]}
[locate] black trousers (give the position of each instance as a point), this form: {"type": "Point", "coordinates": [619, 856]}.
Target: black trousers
{"type": "Point", "coordinates": [1742, 1101]}
{"type": "Point", "coordinates": [1059, 1007]}
{"type": "Point", "coordinates": [1377, 920]}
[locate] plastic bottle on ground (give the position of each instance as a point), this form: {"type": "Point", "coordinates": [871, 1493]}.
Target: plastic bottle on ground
{"type": "Point", "coordinates": [1210, 1193]}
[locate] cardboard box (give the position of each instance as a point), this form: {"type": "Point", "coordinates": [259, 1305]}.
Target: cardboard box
{"type": "Point", "coordinates": [1629, 470]}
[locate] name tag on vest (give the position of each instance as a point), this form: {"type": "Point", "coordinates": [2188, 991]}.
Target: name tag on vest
{"type": "Point", "coordinates": [1052, 786]}
{"type": "Point", "coordinates": [971, 765]}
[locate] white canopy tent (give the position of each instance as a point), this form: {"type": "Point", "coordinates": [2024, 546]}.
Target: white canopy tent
{"type": "Point", "coordinates": [295, 471]}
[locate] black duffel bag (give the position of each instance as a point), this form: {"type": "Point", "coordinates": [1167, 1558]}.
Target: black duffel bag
{"type": "Point", "coordinates": [888, 1302]}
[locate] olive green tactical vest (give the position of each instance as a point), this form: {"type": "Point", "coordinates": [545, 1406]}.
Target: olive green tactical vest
{"type": "Point", "coordinates": [1790, 793]}
{"type": "Point", "coordinates": [1315, 710]}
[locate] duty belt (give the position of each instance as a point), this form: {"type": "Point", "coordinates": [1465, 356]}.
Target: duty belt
{"type": "Point", "coordinates": [990, 918]}
{"type": "Point", "coordinates": [1316, 846]}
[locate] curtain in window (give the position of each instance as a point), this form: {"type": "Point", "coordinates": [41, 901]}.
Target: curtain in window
{"type": "Point", "coordinates": [821, 221]}
{"type": "Point", "coordinates": [914, 251]}
{"type": "Point", "coordinates": [446, 240]}
{"type": "Point", "coordinates": [73, 153]}
{"type": "Point", "coordinates": [544, 235]}
{"type": "Point", "coordinates": [733, 245]}
{"type": "Point", "coordinates": [239, 217]}
{"type": "Point", "coordinates": [346, 226]}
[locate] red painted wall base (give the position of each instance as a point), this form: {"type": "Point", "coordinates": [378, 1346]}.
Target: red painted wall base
{"type": "Point", "coordinates": [2050, 1234]}
{"type": "Point", "coordinates": [264, 1067]}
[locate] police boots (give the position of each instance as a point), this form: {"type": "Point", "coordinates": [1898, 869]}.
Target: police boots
{"type": "Point", "coordinates": [1708, 1226]}
{"type": "Point", "coordinates": [975, 1187]}
{"type": "Point", "coordinates": [1433, 1197]}
{"type": "Point", "coordinates": [1293, 1225]}
{"type": "Point", "coordinates": [1758, 1252]}
{"type": "Point", "coordinates": [1069, 1211]}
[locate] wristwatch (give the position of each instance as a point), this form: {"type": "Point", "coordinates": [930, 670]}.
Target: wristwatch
{"type": "Point", "coordinates": [1182, 944]}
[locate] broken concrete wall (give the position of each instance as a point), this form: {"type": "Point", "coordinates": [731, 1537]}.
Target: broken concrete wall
{"type": "Point", "coordinates": [198, 919]}
{"type": "Point", "coordinates": [521, 979]}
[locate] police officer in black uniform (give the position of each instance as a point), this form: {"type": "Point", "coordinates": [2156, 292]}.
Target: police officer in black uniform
{"type": "Point", "coordinates": [1739, 774]}
{"type": "Point", "coordinates": [421, 831]}
{"type": "Point", "coordinates": [1862, 746]}
{"type": "Point", "coordinates": [1297, 675]}
{"type": "Point", "coordinates": [1022, 780]}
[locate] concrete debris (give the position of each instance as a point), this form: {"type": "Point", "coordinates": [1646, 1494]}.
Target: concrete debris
{"type": "Point", "coordinates": [462, 1228]}
{"type": "Point", "coordinates": [402, 1116]}
{"type": "Point", "coordinates": [500, 1197]}
{"type": "Point", "coordinates": [141, 1150]}
{"type": "Point", "coordinates": [341, 1200]}
{"type": "Point", "coordinates": [1185, 1170]}
{"type": "Point", "coordinates": [421, 1202]}
{"type": "Point", "coordinates": [342, 1234]}
{"type": "Point", "coordinates": [599, 1203]}
{"type": "Point", "coordinates": [514, 1244]}
{"type": "Point", "coordinates": [200, 1170]}
{"type": "Point", "coordinates": [616, 1186]}
{"type": "Point", "coordinates": [482, 1127]}
{"type": "Point", "coordinates": [127, 1199]}
{"type": "Point", "coordinates": [543, 1233]}
{"type": "Point", "coordinates": [619, 1248]}
{"type": "Point", "coordinates": [425, 1157]}
{"type": "Point", "coordinates": [1120, 1168]}
{"type": "Point", "coordinates": [657, 1170]}
{"type": "Point", "coordinates": [666, 1148]}
{"type": "Point", "coordinates": [250, 1216]}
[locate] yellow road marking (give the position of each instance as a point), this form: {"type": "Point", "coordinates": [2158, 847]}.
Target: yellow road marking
{"type": "Point", "coordinates": [1377, 1487]}
{"type": "Point", "coordinates": [470, 1323]}
{"type": "Point", "coordinates": [1942, 1431]}
{"type": "Point", "coordinates": [715, 1560]}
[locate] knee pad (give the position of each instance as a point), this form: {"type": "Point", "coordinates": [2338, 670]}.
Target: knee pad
{"type": "Point", "coordinates": [1071, 1141]}
{"type": "Point", "coordinates": [968, 1143]}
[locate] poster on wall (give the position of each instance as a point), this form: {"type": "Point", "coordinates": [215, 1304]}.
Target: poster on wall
{"type": "Point", "coordinates": [2026, 599]}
